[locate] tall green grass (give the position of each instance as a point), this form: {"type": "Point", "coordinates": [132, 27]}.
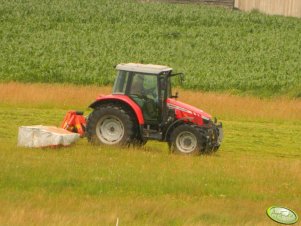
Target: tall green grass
{"type": "Point", "coordinates": [79, 42]}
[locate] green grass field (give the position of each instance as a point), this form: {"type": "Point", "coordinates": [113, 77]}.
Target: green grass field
{"type": "Point", "coordinates": [257, 166]}
{"type": "Point", "coordinates": [218, 49]}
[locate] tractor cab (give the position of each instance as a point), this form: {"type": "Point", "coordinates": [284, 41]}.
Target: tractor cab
{"type": "Point", "coordinates": [147, 85]}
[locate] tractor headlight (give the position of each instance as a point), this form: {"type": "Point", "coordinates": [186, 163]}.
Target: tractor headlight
{"type": "Point", "coordinates": [206, 120]}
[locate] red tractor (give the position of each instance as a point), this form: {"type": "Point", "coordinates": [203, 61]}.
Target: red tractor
{"type": "Point", "coordinates": [143, 108]}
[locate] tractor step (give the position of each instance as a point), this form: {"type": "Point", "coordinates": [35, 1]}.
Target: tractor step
{"type": "Point", "coordinates": [152, 134]}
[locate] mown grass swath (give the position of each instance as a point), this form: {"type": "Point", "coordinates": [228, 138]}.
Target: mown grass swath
{"type": "Point", "coordinates": [218, 49]}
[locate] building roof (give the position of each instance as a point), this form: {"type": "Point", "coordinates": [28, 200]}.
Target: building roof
{"type": "Point", "coordinates": [144, 68]}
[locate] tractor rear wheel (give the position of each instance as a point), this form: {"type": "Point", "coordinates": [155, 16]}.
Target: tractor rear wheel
{"type": "Point", "coordinates": [110, 125]}
{"type": "Point", "coordinates": [186, 140]}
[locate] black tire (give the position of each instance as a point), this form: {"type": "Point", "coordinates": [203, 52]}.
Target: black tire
{"type": "Point", "coordinates": [186, 140]}
{"type": "Point", "coordinates": [110, 125]}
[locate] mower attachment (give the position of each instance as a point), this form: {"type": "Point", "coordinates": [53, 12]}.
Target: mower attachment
{"type": "Point", "coordinates": [75, 122]}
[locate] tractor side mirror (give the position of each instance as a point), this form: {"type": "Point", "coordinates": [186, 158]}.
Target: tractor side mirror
{"type": "Point", "coordinates": [182, 78]}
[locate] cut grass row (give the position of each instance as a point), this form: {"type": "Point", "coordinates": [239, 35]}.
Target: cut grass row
{"type": "Point", "coordinates": [219, 50]}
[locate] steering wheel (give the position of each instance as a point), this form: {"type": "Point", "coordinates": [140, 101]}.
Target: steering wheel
{"type": "Point", "coordinates": [150, 91]}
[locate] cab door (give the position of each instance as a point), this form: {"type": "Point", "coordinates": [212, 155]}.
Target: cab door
{"type": "Point", "coordinates": [144, 91]}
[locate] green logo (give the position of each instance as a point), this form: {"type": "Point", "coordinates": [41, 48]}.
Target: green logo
{"type": "Point", "coordinates": [282, 215]}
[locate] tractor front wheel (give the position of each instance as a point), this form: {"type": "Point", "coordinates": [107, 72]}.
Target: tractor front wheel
{"type": "Point", "coordinates": [186, 140]}
{"type": "Point", "coordinates": [110, 125]}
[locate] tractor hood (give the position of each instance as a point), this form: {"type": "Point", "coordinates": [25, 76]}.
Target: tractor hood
{"type": "Point", "coordinates": [183, 110]}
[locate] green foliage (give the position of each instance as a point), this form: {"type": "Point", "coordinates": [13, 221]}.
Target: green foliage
{"type": "Point", "coordinates": [79, 42]}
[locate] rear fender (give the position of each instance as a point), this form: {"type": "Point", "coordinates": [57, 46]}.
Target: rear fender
{"type": "Point", "coordinates": [122, 100]}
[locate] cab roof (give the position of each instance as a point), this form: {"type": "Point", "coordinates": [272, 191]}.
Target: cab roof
{"type": "Point", "coordinates": [144, 68]}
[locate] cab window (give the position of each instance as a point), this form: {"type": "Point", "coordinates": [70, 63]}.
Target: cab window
{"type": "Point", "coordinates": [121, 82]}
